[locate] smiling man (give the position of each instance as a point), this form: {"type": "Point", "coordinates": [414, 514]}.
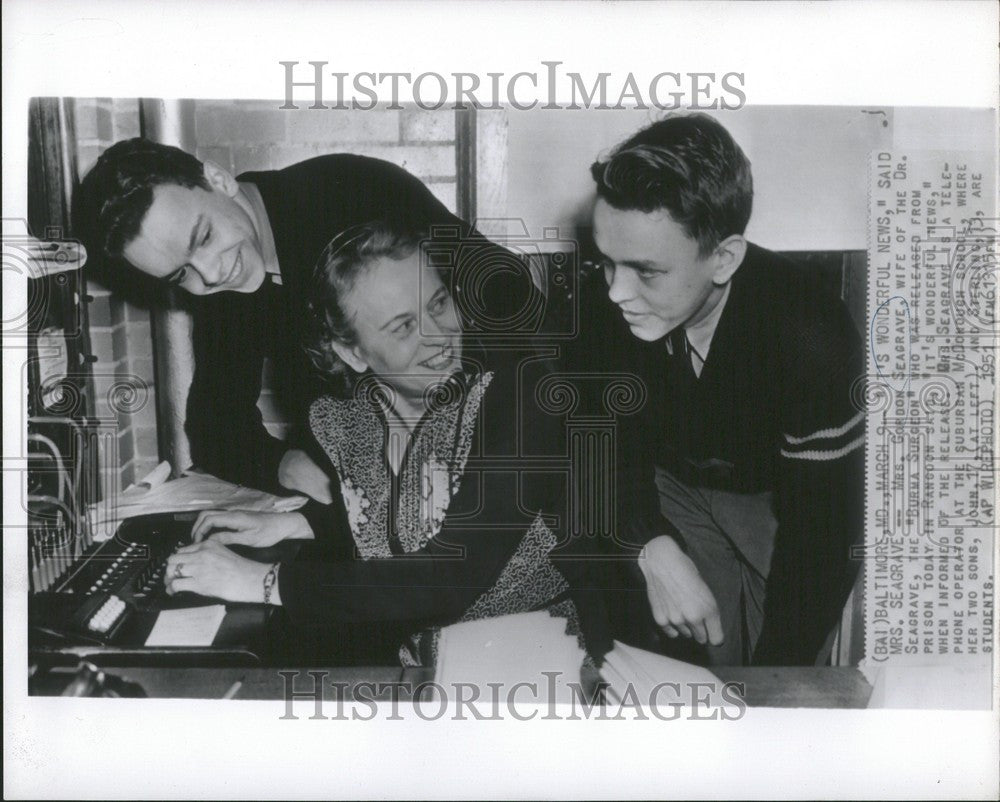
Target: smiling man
{"type": "Point", "coordinates": [203, 241]}
{"type": "Point", "coordinates": [751, 445]}
{"type": "Point", "coordinates": [246, 246]}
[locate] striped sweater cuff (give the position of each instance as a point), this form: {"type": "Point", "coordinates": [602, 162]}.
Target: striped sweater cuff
{"type": "Point", "coordinates": [826, 445]}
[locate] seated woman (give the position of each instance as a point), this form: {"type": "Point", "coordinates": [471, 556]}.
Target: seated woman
{"type": "Point", "coordinates": [440, 525]}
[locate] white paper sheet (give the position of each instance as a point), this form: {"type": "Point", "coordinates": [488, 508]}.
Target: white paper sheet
{"type": "Point", "coordinates": [193, 626]}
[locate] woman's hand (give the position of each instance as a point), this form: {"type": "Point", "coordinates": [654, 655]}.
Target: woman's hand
{"type": "Point", "coordinates": [256, 529]}
{"type": "Point", "coordinates": [211, 569]}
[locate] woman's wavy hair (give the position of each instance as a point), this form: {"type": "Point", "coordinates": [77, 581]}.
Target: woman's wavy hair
{"type": "Point", "coordinates": [688, 165]}
{"type": "Point", "coordinates": [345, 258]}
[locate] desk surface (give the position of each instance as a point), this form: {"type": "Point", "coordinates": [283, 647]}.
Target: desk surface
{"type": "Point", "coordinates": [763, 687]}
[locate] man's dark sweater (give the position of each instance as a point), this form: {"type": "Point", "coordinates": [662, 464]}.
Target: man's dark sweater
{"type": "Point", "coordinates": [772, 411]}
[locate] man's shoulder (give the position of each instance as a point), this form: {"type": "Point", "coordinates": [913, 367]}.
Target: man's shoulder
{"type": "Point", "coordinates": [794, 308]}
{"type": "Point", "coordinates": [340, 166]}
{"type": "Point", "coordinates": [766, 272]}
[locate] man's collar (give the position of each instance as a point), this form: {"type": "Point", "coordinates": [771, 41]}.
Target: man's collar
{"type": "Point", "coordinates": [263, 226]}
{"type": "Point", "coordinates": [699, 336]}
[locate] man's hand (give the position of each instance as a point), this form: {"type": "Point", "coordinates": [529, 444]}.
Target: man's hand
{"type": "Point", "coordinates": [298, 472]}
{"type": "Point", "coordinates": [211, 569]}
{"type": "Point", "coordinates": [256, 529]}
{"type": "Point", "coordinates": [682, 603]}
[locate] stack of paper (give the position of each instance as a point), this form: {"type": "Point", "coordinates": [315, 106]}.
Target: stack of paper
{"type": "Point", "coordinates": [528, 655]}
{"type": "Point", "coordinates": [193, 491]}
{"type": "Point", "coordinates": [638, 677]}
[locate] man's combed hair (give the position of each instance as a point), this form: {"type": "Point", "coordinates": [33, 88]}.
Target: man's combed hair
{"type": "Point", "coordinates": [346, 258]}
{"type": "Point", "coordinates": [688, 165]}
{"type": "Point", "coordinates": [116, 194]}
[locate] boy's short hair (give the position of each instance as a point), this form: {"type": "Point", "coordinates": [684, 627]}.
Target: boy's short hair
{"type": "Point", "coordinates": [116, 194]}
{"type": "Point", "coordinates": [688, 165]}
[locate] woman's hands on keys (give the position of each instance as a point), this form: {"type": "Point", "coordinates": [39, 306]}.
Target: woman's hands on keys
{"type": "Point", "coordinates": [255, 529]}
{"type": "Point", "coordinates": [209, 568]}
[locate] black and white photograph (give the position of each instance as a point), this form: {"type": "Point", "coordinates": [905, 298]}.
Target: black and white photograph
{"type": "Point", "coordinates": [382, 419]}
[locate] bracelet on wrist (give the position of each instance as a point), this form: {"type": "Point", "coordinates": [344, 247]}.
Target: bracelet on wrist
{"type": "Point", "coordinates": [269, 580]}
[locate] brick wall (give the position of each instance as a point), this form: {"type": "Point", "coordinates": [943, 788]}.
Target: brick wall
{"type": "Point", "coordinates": [120, 331]}
{"type": "Point", "coordinates": [241, 136]}
{"type": "Point", "coordinates": [257, 135]}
